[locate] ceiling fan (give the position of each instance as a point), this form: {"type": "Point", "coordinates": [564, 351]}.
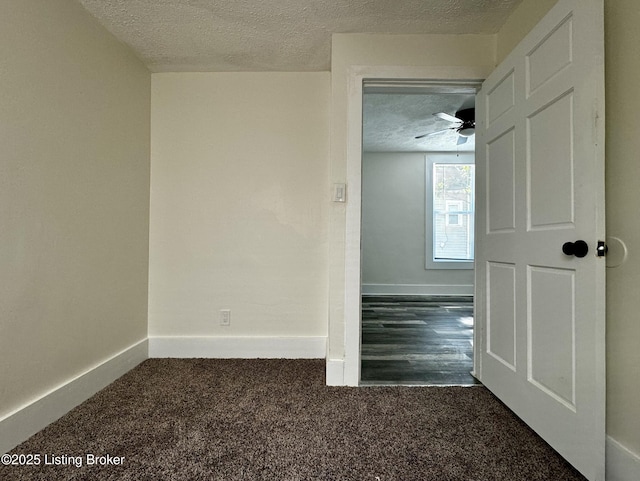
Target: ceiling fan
{"type": "Point", "coordinates": [466, 120]}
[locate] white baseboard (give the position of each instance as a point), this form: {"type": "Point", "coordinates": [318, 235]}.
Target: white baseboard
{"type": "Point", "coordinates": [238, 347]}
{"type": "Point", "coordinates": [335, 372]}
{"type": "Point", "coordinates": [27, 420]}
{"type": "Point", "coordinates": [622, 464]}
{"type": "Point", "coordinates": [417, 289]}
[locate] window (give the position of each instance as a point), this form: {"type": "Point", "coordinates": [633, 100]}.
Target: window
{"type": "Point", "coordinates": [450, 211]}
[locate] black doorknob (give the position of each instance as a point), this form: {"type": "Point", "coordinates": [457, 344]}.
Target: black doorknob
{"type": "Point", "coordinates": [578, 248]}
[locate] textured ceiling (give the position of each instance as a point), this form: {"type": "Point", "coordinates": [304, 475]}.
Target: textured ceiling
{"type": "Point", "coordinates": [390, 122]}
{"type": "Point", "coordinates": [295, 35]}
{"type": "Point", "coordinates": [277, 35]}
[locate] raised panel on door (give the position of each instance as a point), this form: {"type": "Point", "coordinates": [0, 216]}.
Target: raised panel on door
{"type": "Point", "coordinates": [501, 327]}
{"type": "Point", "coordinates": [501, 195]}
{"type": "Point", "coordinates": [550, 165]}
{"type": "Point", "coordinates": [552, 333]}
{"type": "Point", "coordinates": [550, 56]}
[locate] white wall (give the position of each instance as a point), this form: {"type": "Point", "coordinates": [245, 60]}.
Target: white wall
{"type": "Point", "coordinates": [466, 52]}
{"type": "Point", "coordinates": [239, 201]}
{"type": "Point", "coordinates": [74, 197]}
{"type": "Point", "coordinates": [393, 229]}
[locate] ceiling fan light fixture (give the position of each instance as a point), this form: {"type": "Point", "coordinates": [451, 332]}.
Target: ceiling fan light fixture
{"type": "Point", "coordinates": [467, 131]}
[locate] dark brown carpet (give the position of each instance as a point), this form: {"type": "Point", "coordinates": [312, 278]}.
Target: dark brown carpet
{"type": "Point", "coordinates": [201, 419]}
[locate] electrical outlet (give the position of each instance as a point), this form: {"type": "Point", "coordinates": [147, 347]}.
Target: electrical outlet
{"type": "Point", "coordinates": [225, 317]}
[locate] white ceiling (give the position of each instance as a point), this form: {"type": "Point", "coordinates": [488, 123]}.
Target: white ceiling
{"type": "Point", "coordinates": [295, 35]}
{"type": "Point", "coordinates": [277, 35]}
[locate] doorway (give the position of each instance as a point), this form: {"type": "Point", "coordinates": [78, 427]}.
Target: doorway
{"type": "Point", "coordinates": [417, 233]}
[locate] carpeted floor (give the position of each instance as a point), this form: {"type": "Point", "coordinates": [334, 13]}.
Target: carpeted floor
{"type": "Point", "coordinates": [196, 419]}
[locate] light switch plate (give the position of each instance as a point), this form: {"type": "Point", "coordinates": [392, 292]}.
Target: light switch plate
{"type": "Point", "coordinates": [225, 317]}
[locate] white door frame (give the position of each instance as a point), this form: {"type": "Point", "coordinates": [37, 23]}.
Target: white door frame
{"type": "Point", "coordinates": [357, 75]}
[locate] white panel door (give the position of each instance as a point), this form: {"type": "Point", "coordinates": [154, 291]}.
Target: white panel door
{"type": "Point", "coordinates": [540, 328]}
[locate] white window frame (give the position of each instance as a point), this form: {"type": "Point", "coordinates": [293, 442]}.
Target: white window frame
{"type": "Point", "coordinates": [441, 158]}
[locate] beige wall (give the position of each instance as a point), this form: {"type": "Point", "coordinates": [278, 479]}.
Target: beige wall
{"type": "Point", "coordinates": [74, 175]}
{"type": "Point", "coordinates": [411, 51]}
{"type": "Point", "coordinates": [519, 24]}
{"type": "Point", "coordinates": [622, 70]}
{"type": "Point", "coordinates": [239, 201]}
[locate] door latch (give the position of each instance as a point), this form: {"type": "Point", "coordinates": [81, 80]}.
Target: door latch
{"type": "Point", "coordinates": [602, 249]}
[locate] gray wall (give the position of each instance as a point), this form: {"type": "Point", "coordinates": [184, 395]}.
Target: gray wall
{"type": "Point", "coordinates": [393, 229]}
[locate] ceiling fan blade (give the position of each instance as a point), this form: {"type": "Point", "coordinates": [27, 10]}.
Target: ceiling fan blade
{"type": "Point", "coordinates": [447, 117]}
{"type": "Point", "coordinates": [432, 133]}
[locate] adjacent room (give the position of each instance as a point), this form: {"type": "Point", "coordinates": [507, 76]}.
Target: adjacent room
{"type": "Point", "coordinates": [417, 233]}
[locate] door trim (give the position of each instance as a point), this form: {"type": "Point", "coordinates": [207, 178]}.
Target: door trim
{"type": "Point", "coordinates": [357, 75]}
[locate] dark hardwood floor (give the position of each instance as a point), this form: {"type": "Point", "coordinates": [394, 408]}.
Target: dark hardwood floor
{"type": "Point", "coordinates": [417, 340]}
